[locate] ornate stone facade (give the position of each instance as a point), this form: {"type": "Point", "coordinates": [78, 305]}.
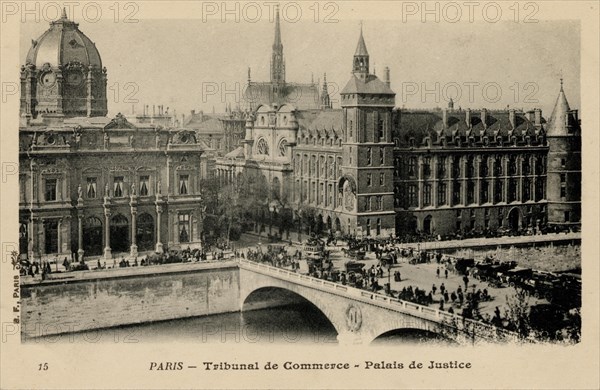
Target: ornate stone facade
{"type": "Point", "coordinates": [370, 169]}
{"type": "Point", "coordinates": [104, 186]}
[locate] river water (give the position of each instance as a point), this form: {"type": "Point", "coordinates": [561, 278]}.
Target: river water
{"type": "Point", "coordinates": [293, 324]}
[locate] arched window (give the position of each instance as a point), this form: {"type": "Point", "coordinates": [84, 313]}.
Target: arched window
{"type": "Point", "coordinates": [282, 147]}
{"type": "Point", "coordinates": [262, 147]}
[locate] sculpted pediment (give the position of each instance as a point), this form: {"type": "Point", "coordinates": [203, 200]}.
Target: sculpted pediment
{"type": "Point", "coordinates": [119, 122]}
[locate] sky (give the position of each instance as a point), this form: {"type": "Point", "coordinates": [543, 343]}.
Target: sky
{"type": "Point", "coordinates": [190, 64]}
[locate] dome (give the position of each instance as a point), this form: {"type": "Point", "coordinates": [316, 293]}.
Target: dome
{"type": "Point", "coordinates": [61, 44]}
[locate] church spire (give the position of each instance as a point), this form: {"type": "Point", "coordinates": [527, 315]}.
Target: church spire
{"type": "Point", "coordinates": [360, 67]}
{"type": "Point", "coordinates": [325, 100]}
{"type": "Point", "coordinates": [277, 60]}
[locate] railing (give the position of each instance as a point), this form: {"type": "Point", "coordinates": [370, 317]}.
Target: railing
{"type": "Point", "coordinates": [478, 328]}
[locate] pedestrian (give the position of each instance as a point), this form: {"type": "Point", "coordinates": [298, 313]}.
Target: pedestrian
{"type": "Point", "coordinates": [446, 273]}
{"type": "Point", "coordinates": [466, 280]}
{"type": "Point", "coordinates": [399, 277]}
{"type": "Point", "coordinates": [442, 288]}
{"type": "Point", "coordinates": [446, 297]}
{"type": "Point", "coordinates": [437, 272]}
{"type": "Point", "coordinates": [441, 304]}
{"type": "Point", "coordinates": [433, 288]}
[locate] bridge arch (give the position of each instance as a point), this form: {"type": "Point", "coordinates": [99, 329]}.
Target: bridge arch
{"type": "Point", "coordinates": [358, 316]}
{"type": "Point", "coordinates": [411, 336]}
{"type": "Point", "coordinates": [269, 297]}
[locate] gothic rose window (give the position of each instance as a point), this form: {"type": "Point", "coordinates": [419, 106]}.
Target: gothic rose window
{"type": "Point", "coordinates": [262, 147]}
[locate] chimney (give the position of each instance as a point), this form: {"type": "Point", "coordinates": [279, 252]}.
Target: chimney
{"type": "Point", "coordinates": [538, 116]}
{"type": "Point", "coordinates": [468, 117]}
{"type": "Point", "coordinates": [386, 76]}
{"type": "Point", "coordinates": [512, 118]}
{"type": "Point", "coordinates": [484, 117]}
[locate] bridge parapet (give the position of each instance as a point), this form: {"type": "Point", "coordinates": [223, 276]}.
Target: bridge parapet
{"type": "Point", "coordinates": [454, 326]}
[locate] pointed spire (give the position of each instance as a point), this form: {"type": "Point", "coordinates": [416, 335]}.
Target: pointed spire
{"type": "Point", "coordinates": [325, 100]}
{"type": "Point", "coordinates": [361, 48]}
{"type": "Point", "coordinates": [277, 60]}
{"type": "Point", "coordinates": [277, 41]}
{"type": "Point", "coordinates": [64, 14]}
{"type": "Point", "coordinates": [557, 124]}
{"type": "Point", "coordinates": [249, 78]}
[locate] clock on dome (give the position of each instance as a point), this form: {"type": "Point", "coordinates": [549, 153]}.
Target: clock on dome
{"type": "Point", "coordinates": [48, 79]}
{"type": "Point", "coordinates": [74, 78]}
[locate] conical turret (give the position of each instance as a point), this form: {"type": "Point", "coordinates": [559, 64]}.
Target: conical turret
{"type": "Point", "coordinates": [559, 122]}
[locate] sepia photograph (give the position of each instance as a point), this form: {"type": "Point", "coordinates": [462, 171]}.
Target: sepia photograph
{"type": "Point", "coordinates": [213, 179]}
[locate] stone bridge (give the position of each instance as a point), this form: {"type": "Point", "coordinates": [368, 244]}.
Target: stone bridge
{"type": "Point", "coordinates": [360, 316]}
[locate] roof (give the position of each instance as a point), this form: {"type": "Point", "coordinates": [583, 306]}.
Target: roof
{"type": "Point", "coordinates": [236, 153]}
{"type": "Point", "coordinates": [62, 43]}
{"type": "Point", "coordinates": [204, 123]}
{"type": "Point", "coordinates": [557, 124]}
{"type": "Point", "coordinates": [420, 124]}
{"type": "Point", "coordinates": [371, 85]}
{"type": "Point", "coordinates": [361, 48]}
{"type": "Point", "coordinates": [320, 119]}
{"type": "Point", "coordinates": [301, 96]}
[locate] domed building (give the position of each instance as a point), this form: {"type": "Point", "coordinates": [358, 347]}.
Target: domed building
{"type": "Point", "coordinates": [63, 74]}
{"type": "Point", "coordinates": [93, 186]}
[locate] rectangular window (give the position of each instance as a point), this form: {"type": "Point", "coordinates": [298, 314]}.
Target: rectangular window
{"type": "Point", "coordinates": [567, 216]}
{"type": "Point", "coordinates": [456, 193]}
{"type": "Point", "coordinates": [470, 192]}
{"type": "Point", "coordinates": [563, 162]}
{"type": "Point", "coordinates": [412, 166]}
{"type": "Point", "coordinates": [381, 129]}
{"type": "Point", "coordinates": [381, 156]}
{"type": "Point", "coordinates": [144, 184]}
{"type": "Point", "coordinates": [118, 186]}
{"type": "Point", "coordinates": [380, 202]}
{"type": "Point", "coordinates": [427, 195]}
{"type": "Point", "coordinates": [499, 191]}
{"type": "Point", "coordinates": [427, 167]}
{"type": "Point", "coordinates": [441, 194]}
{"type": "Point", "coordinates": [184, 227]}
{"type": "Point", "coordinates": [563, 177]}
{"type": "Point", "coordinates": [369, 156]}
{"type": "Point", "coordinates": [412, 196]}
{"type": "Point", "coordinates": [369, 179]}
{"type": "Point", "coordinates": [563, 192]}
{"type": "Point", "coordinates": [51, 189]}
{"type": "Point", "coordinates": [512, 190]}
{"type": "Point", "coordinates": [184, 184]}
{"type": "Point", "coordinates": [484, 194]}
{"type": "Point", "coordinates": [381, 178]}
{"type": "Point", "coordinates": [91, 189]}
{"type": "Point", "coordinates": [441, 167]}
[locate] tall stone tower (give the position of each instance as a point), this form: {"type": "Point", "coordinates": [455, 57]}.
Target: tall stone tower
{"type": "Point", "coordinates": [563, 188]}
{"type": "Point", "coordinates": [63, 75]}
{"type": "Point", "coordinates": [367, 181]}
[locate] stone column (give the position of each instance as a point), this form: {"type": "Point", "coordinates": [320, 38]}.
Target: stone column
{"type": "Point", "coordinates": [107, 250]}
{"type": "Point", "coordinates": [159, 245]}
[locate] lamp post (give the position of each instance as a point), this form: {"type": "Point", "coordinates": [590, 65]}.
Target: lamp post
{"type": "Point", "coordinates": [271, 209]}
